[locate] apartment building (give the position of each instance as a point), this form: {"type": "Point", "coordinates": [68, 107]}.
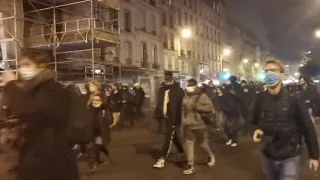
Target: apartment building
{"type": "Point", "coordinates": [152, 40]}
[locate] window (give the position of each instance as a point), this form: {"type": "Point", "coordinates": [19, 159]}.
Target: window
{"type": "Point", "coordinates": [179, 17]}
{"type": "Point", "coordinates": [165, 41]}
{"type": "Point", "coordinates": [127, 20]}
{"type": "Point", "coordinates": [154, 54]}
{"type": "Point", "coordinates": [171, 42]}
{"type": "Point", "coordinates": [144, 53]}
{"type": "Point", "coordinates": [152, 2]}
{"type": "Point", "coordinates": [171, 20]}
{"type": "Point", "coordinates": [185, 19]}
{"type": "Point", "coordinates": [127, 52]}
{"type": "Point", "coordinates": [143, 20]}
{"type": "Point", "coordinates": [154, 24]}
{"type": "Point", "coordinates": [164, 18]}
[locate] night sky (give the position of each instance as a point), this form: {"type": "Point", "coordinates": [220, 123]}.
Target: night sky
{"type": "Point", "coordinates": [285, 27]}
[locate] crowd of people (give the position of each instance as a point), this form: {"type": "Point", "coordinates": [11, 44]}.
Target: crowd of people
{"type": "Point", "coordinates": [279, 117]}
{"type": "Point", "coordinates": [56, 120]}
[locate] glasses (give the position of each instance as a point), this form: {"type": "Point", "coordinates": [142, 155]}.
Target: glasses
{"type": "Point", "coordinates": [273, 70]}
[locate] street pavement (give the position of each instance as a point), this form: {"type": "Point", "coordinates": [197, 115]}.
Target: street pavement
{"type": "Point", "coordinates": [134, 151]}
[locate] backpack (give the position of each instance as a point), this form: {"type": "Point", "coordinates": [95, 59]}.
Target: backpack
{"type": "Point", "coordinates": [80, 122]}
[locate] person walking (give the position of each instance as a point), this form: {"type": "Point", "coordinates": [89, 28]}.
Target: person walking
{"type": "Point", "coordinates": [168, 110]}
{"type": "Point", "coordinates": [115, 105]}
{"type": "Point", "coordinates": [101, 130]}
{"type": "Point", "coordinates": [282, 122]}
{"type": "Point", "coordinates": [42, 106]}
{"type": "Point", "coordinates": [140, 96]}
{"type": "Point", "coordinates": [194, 105]}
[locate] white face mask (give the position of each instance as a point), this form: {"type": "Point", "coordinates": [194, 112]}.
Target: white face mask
{"type": "Point", "coordinates": [191, 89]}
{"type": "Point", "coordinates": [92, 88]}
{"type": "Point", "coordinates": [228, 82]}
{"type": "Point", "coordinates": [28, 73]}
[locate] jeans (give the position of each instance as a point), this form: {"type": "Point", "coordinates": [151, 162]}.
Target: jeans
{"type": "Point", "coordinates": [232, 128]}
{"type": "Point", "coordinates": [191, 136]}
{"type": "Point", "coordinates": [288, 169]}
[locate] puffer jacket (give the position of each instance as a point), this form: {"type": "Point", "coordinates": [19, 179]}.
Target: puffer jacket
{"type": "Point", "coordinates": [192, 106]}
{"type": "Point", "coordinates": [284, 119]}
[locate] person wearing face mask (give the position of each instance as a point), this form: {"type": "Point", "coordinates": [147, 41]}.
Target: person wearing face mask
{"type": "Point", "coordinates": [42, 106]}
{"type": "Point", "coordinates": [281, 122]}
{"type": "Point", "coordinates": [193, 126]}
{"type": "Point", "coordinates": [168, 111]}
{"type": "Point", "coordinates": [101, 130]}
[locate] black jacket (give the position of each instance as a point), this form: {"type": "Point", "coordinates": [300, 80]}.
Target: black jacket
{"type": "Point", "coordinates": [42, 106]}
{"type": "Point", "coordinates": [284, 120]}
{"type": "Point", "coordinates": [176, 94]}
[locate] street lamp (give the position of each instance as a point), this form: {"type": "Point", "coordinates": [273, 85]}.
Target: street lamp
{"type": "Point", "coordinates": [317, 33]}
{"type": "Point", "coordinates": [186, 33]}
{"type": "Point", "coordinates": [245, 61]}
{"type": "Point", "coordinates": [296, 74]}
{"type": "Point", "coordinates": [225, 70]}
{"type": "Point", "coordinates": [256, 65]}
{"type": "Point", "coordinates": [226, 52]}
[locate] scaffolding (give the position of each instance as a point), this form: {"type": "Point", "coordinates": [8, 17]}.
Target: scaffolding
{"type": "Point", "coordinates": [82, 35]}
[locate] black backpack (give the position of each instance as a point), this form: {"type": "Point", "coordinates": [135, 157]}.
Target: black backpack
{"type": "Point", "coordinates": [80, 121]}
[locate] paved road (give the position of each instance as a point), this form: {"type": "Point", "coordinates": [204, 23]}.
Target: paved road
{"type": "Point", "coordinates": [134, 152]}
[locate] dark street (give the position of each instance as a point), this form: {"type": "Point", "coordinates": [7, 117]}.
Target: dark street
{"type": "Point", "coordinates": [134, 151]}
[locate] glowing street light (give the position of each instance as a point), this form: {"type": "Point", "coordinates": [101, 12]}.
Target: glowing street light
{"type": "Point", "coordinates": [256, 65]}
{"type": "Point", "coordinates": [317, 33]}
{"type": "Point", "coordinates": [225, 70]}
{"type": "Point", "coordinates": [186, 33]}
{"type": "Point", "coordinates": [301, 65]}
{"type": "Point", "coordinates": [226, 52]}
{"type": "Point", "coordinates": [296, 74]}
{"type": "Point", "coordinates": [245, 61]}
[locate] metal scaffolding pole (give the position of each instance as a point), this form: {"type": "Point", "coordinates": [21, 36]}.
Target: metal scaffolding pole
{"type": "Point", "coordinates": [92, 41]}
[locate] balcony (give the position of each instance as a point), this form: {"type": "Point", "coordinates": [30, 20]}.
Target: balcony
{"type": "Point", "coordinates": [144, 64]}
{"type": "Point", "coordinates": [128, 61]}
{"type": "Point", "coordinates": [155, 66]}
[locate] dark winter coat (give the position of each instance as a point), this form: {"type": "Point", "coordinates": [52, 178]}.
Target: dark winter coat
{"type": "Point", "coordinates": [42, 105]}
{"type": "Point", "coordinates": [115, 101]}
{"type": "Point", "coordinates": [176, 94]}
{"type": "Point", "coordinates": [101, 124]}
{"type": "Point", "coordinates": [284, 121]}
{"type": "Point", "coordinates": [140, 95]}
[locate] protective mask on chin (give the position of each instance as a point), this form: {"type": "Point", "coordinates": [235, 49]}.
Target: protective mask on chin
{"type": "Point", "coordinates": [271, 79]}
{"type": "Point", "coordinates": [28, 73]}
{"type": "Point", "coordinates": [191, 89]}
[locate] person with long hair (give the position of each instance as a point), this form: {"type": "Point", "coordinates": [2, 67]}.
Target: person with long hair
{"type": "Point", "coordinates": [101, 130]}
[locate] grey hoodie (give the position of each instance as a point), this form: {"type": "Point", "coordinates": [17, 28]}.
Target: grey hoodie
{"type": "Point", "coordinates": [191, 112]}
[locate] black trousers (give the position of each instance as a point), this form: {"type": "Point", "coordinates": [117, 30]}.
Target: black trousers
{"type": "Point", "coordinates": [172, 137]}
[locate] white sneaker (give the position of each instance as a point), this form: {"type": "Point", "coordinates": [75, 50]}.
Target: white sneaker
{"type": "Point", "coordinates": [211, 161]}
{"type": "Point", "coordinates": [159, 164]}
{"type": "Point", "coordinates": [189, 171]}
{"type": "Point", "coordinates": [234, 145]}
{"type": "Point", "coordinates": [229, 142]}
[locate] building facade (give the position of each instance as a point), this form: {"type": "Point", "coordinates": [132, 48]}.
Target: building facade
{"type": "Point", "coordinates": [153, 40]}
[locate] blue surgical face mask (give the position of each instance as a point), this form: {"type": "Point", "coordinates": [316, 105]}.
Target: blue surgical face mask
{"type": "Point", "coordinates": [271, 78]}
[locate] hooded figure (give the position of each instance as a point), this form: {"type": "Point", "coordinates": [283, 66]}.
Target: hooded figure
{"type": "Point", "coordinates": [42, 106]}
